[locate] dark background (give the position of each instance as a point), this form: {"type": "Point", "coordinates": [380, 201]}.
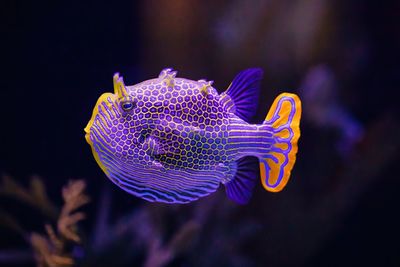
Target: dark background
{"type": "Point", "coordinates": [339, 209]}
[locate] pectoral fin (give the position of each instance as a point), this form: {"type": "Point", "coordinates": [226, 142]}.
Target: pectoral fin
{"type": "Point", "coordinates": [153, 147]}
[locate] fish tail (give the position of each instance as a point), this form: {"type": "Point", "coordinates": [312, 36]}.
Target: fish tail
{"type": "Point", "coordinates": [283, 121]}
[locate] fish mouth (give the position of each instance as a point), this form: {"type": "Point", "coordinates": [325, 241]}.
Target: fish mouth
{"type": "Point", "coordinates": [87, 138]}
{"type": "Point", "coordinates": [87, 130]}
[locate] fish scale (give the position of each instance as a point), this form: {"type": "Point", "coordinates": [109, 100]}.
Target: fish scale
{"type": "Point", "coordinates": [175, 140]}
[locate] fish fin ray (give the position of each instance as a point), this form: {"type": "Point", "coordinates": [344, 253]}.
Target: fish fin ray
{"type": "Point", "coordinates": [244, 93]}
{"type": "Point", "coordinates": [284, 121]}
{"type": "Point", "coordinates": [240, 188]}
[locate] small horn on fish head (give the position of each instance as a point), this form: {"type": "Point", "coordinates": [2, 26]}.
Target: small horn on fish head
{"type": "Point", "coordinates": [119, 86]}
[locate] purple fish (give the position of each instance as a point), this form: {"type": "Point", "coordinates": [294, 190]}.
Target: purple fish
{"type": "Point", "coordinates": [175, 140]}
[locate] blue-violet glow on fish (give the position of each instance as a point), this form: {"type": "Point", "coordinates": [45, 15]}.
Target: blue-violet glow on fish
{"type": "Point", "coordinates": [175, 140]}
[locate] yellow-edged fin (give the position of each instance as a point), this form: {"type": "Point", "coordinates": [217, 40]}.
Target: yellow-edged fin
{"type": "Point", "coordinates": [284, 117]}
{"type": "Point", "coordinates": [102, 98]}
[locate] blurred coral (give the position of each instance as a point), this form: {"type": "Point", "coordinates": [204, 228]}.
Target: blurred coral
{"type": "Point", "coordinates": [46, 253]}
{"type": "Point", "coordinates": [53, 249]}
{"type": "Point", "coordinates": [34, 196]}
{"type": "Point", "coordinates": [74, 198]}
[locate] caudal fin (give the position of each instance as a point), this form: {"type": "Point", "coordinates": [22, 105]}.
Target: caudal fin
{"type": "Point", "coordinates": [283, 121]}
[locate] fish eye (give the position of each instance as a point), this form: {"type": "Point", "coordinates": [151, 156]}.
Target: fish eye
{"type": "Point", "coordinates": [128, 105]}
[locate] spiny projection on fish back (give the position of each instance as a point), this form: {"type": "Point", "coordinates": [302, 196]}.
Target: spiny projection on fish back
{"type": "Point", "coordinates": [175, 140]}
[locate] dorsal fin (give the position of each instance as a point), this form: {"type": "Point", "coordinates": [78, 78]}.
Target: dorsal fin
{"type": "Point", "coordinates": [244, 92]}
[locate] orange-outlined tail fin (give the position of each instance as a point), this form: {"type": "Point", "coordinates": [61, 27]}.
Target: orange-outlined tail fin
{"type": "Point", "coordinates": [283, 120]}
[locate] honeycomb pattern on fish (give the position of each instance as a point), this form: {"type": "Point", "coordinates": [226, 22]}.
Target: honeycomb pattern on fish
{"type": "Point", "coordinates": [188, 126]}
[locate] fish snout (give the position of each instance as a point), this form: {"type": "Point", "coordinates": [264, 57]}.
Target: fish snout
{"type": "Point", "coordinates": [102, 107]}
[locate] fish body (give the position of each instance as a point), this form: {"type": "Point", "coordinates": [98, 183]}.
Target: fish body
{"type": "Point", "coordinates": [175, 140]}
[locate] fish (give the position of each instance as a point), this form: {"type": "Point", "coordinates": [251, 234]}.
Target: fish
{"type": "Point", "coordinates": [175, 140]}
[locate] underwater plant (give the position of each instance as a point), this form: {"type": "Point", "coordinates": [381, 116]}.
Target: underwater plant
{"type": "Point", "coordinates": [139, 236]}
{"type": "Point", "coordinates": [55, 248]}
